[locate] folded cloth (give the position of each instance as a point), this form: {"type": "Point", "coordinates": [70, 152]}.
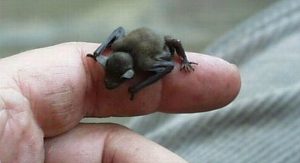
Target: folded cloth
{"type": "Point", "coordinates": [262, 124]}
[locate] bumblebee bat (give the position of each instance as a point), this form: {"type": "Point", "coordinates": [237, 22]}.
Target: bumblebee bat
{"type": "Point", "coordinates": [141, 50]}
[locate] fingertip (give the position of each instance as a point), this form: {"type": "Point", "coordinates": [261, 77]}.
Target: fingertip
{"type": "Point", "coordinates": [236, 81]}
{"type": "Point", "coordinates": [232, 87]}
{"type": "Point", "coordinates": [213, 84]}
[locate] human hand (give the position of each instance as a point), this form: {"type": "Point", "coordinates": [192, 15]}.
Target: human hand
{"type": "Point", "coordinates": [44, 93]}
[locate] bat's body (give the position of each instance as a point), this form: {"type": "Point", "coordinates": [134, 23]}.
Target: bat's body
{"type": "Point", "coordinates": [145, 47]}
{"type": "Point", "coordinates": [142, 50]}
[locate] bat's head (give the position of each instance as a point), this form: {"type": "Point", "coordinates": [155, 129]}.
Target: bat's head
{"type": "Point", "coordinates": [118, 68]}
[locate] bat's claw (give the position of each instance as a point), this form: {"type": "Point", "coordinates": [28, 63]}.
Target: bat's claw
{"type": "Point", "coordinates": [91, 56]}
{"type": "Point", "coordinates": [187, 66]}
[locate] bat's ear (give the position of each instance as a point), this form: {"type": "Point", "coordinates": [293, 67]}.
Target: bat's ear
{"type": "Point", "coordinates": [128, 74]}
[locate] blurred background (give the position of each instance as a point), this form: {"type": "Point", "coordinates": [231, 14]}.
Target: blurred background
{"type": "Point", "coordinates": [30, 24]}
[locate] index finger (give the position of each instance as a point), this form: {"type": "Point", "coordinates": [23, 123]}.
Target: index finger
{"type": "Point", "coordinates": [62, 84]}
{"type": "Point", "coordinates": [213, 84]}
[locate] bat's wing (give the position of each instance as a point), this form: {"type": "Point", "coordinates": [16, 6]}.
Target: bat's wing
{"type": "Point", "coordinates": [115, 35]}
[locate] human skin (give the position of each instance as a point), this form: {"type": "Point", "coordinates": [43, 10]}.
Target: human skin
{"type": "Point", "coordinates": [44, 93]}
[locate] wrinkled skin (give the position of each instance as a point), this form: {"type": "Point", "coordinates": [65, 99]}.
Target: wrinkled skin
{"type": "Point", "coordinates": [44, 93]}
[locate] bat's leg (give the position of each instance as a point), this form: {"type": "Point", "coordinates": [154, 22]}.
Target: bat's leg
{"type": "Point", "coordinates": [159, 69]}
{"type": "Point", "coordinates": [176, 44]}
{"type": "Point", "coordinates": [115, 35]}
{"type": "Point", "coordinates": [170, 49]}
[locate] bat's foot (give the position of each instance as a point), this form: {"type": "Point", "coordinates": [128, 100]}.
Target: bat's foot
{"type": "Point", "coordinates": [91, 56]}
{"type": "Point", "coordinates": [187, 66]}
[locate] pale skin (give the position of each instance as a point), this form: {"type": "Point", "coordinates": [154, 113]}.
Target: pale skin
{"type": "Point", "coordinates": [44, 93]}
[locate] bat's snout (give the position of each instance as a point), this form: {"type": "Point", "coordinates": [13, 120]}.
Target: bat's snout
{"type": "Point", "coordinates": [109, 84]}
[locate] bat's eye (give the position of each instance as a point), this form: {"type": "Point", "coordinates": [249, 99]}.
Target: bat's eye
{"type": "Point", "coordinates": [128, 74]}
